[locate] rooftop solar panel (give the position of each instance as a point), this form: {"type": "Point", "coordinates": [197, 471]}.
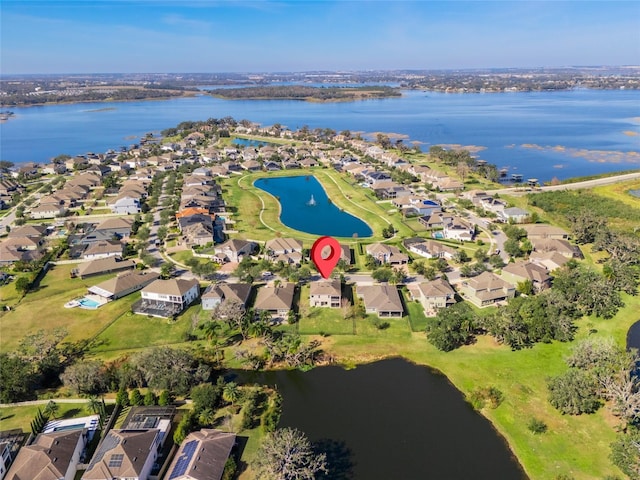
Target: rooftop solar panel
{"type": "Point", "coordinates": [115, 461]}
{"type": "Point", "coordinates": [184, 459]}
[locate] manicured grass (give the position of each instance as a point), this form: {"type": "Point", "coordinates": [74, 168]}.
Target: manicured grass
{"type": "Point", "coordinates": [417, 318]}
{"type": "Point", "coordinates": [574, 445]}
{"type": "Point", "coordinates": [43, 309]}
{"type": "Point", "coordinates": [133, 332]}
{"type": "Point", "coordinates": [21, 416]}
{"type": "Point", "coordinates": [258, 223]}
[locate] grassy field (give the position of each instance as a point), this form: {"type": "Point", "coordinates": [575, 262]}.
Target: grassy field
{"type": "Point", "coordinates": [44, 309]}
{"type": "Point", "coordinates": [574, 445]}
{"type": "Point", "coordinates": [20, 417]}
{"type": "Point", "coordinates": [258, 217]}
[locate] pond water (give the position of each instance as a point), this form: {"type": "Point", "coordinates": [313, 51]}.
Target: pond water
{"type": "Point", "coordinates": [391, 420]}
{"type": "Point", "coordinates": [306, 207]}
{"type": "Point", "coordinates": [633, 336]}
{"type": "Point", "coordinates": [245, 142]}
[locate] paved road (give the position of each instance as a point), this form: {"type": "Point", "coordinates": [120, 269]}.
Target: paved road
{"type": "Point", "coordinates": [572, 186]}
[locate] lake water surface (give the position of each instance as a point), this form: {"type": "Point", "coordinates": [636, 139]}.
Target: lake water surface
{"type": "Point", "coordinates": [391, 420]}
{"type": "Point", "coordinates": [304, 206]}
{"type": "Point", "coordinates": [541, 134]}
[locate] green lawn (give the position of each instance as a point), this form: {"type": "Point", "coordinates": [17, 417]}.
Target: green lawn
{"type": "Point", "coordinates": [574, 445]}
{"type": "Point", "coordinates": [44, 309]}
{"type": "Point", "coordinates": [258, 223]}
{"type": "Point", "coordinates": [21, 416]}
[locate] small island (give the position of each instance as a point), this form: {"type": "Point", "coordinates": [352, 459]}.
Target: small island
{"type": "Point", "coordinates": [307, 93]}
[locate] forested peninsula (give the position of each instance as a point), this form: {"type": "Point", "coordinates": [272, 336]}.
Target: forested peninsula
{"type": "Point", "coordinates": [307, 93]}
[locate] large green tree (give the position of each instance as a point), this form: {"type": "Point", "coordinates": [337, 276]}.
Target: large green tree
{"type": "Point", "coordinates": [452, 327]}
{"type": "Point", "coordinates": [16, 379]}
{"type": "Point", "coordinates": [287, 454]}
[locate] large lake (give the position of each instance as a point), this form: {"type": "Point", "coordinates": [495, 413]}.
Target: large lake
{"type": "Point", "coordinates": [391, 420]}
{"type": "Point", "coordinates": [541, 134]}
{"type": "Point", "coordinates": [304, 206]}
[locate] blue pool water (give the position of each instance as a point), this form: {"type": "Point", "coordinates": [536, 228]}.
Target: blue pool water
{"type": "Point", "coordinates": [320, 217]}
{"type": "Point", "coordinates": [438, 235]}
{"type": "Point", "coordinates": [89, 303]}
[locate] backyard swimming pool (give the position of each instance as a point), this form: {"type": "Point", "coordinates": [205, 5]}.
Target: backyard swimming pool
{"type": "Point", "coordinates": [88, 303]}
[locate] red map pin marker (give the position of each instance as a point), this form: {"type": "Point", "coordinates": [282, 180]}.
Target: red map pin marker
{"type": "Point", "coordinates": [325, 265]}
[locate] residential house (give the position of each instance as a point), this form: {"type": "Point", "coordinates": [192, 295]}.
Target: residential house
{"type": "Point", "coordinates": [34, 232]}
{"type": "Point", "coordinates": [123, 284]}
{"type": "Point", "coordinates": [125, 455]}
{"type": "Point", "coordinates": [251, 165]}
{"type": "Point", "coordinates": [126, 205]}
{"type": "Point", "coordinates": [102, 266]}
{"type": "Point", "coordinates": [52, 456]}
{"type": "Point", "coordinates": [48, 210]}
{"type": "Point", "coordinates": [458, 229]}
{"type": "Point", "coordinates": [549, 260]}
{"type": "Point", "coordinates": [514, 214]}
{"type": "Point", "coordinates": [522, 271]}
{"type": "Point", "coordinates": [417, 206]}
{"type": "Point", "coordinates": [540, 230]}
{"type": "Point", "coordinates": [487, 289]}
{"type": "Point", "coordinates": [276, 300]}
{"type": "Point", "coordinates": [198, 234]}
{"type": "Point", "coordinates": [434, 295]}
{"type": "Point", "coordinates": [436, 220]}
{"type": "Point", "coordinates": [119, 227]}
{"type": "Point", "coordinates": [103, 249]}
{"type": "Point", "coordinates": [387, 254]}
{"type": "Point", "coordinates": [286, 250]}
{"type": "Point", "coordinates": [217, 293]}
{"type": "Point", "coordinates": [233, 250]}
{"type": "Point", "coordinates": [165, 298]}
{"type": "Point", "coordinates": [202, 456]}
{"type": "Point", "coordinates": [326, 293]}
{"type": "Point", "coordinates": [382, 300]}
{"type": "Point", "coordinates": [429, 248]}
{"type": "Point", "coordinates": [563, 247]}
{"type": "Point", "coordinates": [388, 192]}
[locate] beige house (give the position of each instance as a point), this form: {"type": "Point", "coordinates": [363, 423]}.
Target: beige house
{"type": "Point", "coordinates": [519, 272]}
{"type": "Point", "coordinates": [382, 300]}
{"type": "Point", "coordinates": [434, 295]}
{"type": "Point", "coordinates": [277, 300]}
{"type": "Point", "coordinates": [539, 230]}
{"type": "Point", "coordinates": [563, 247]}
{"type": "Point", "coordinates": [102, 266]}
{"type": "Point", "coordinates": [388, 254]}
{"type": "Point", "coordinates": [103, 249]}
{"type": "Point", "coordinates": [165, 298]}
{"type": "Point", "coordinates": [326, 293]}
{"type": "Point", "coordinates": [549, 260]}
{"type": "Point", "coordinates": [202, 455]}
{"type": "Point", "coordinates": [217, 293]}
{"type": "Point", "coordinates": [125, 454]}
{"type": "Point", "coordinates": [233, 250]}
{"type": "Point", "coordinates": [429, 248]}
{"type": "Point", "coordinates": [287, 250]}
{"type": "Point", "coordinates": [52, 456]}
{"type": "Point", "coordinates": [123, 284]}
{"type": "Point", "coordinates": [487, 289]}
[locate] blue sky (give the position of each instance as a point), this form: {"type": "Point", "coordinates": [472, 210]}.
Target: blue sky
{"type": "Point", "coordinates": [270, 36]}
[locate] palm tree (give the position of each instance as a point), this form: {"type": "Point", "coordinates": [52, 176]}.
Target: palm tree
{"type": "Point", "coordinates": [207, 417]}
{"type": "Point", "coordinates": [93, 404]}
{"type": "Point", "coordinates": [231, 392]}
{"type": "Point", "coordinates": [211, 329]}
{"type": "Point", "coordinates": [52, 408]}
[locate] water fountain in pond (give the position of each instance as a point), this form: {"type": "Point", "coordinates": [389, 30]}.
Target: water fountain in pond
{"type": "Point", "coordinates": [311, 202]}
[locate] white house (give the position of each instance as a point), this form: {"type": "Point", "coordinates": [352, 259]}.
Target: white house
{"type": "Point", "coordinates": [168, 297]}
{"type": "Point", "coordinates": [126, 205]}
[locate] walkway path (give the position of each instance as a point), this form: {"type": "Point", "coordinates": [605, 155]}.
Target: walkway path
{"type": "Point", "coordinates": [571, 186]}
